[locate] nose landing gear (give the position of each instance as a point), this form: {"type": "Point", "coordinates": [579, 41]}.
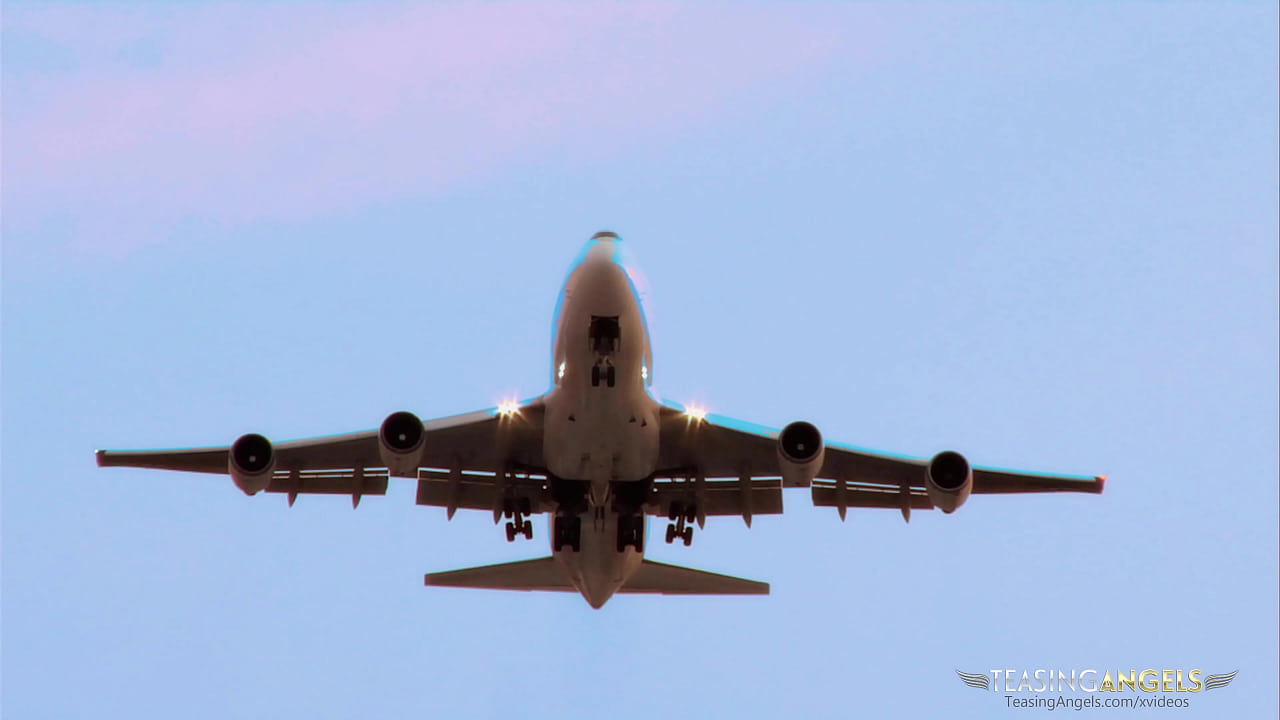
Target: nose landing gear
{"type": "Point", "coordinates": [601, 371]}
{"type": "Point", "coordinates": [605, 339]}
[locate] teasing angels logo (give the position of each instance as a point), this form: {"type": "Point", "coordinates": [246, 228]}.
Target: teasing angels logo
{"type": "Point", "coordinates": [1090, 680]}
{"type": "Point", "coordinates": [975, 680]}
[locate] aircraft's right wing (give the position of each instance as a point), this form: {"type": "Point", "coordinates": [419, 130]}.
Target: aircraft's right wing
{"type": "Point", "coordinates": [487, 452]}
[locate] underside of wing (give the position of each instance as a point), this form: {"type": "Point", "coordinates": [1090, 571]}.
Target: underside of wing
{"type": "Point", "coordinates": [700, 447]}
{"type": "Point", "coordinates": [487, 445]}
{"type": "Point", "coordinates": [714, 445]}
{"type": "Point", "coordinates": [855, 477]}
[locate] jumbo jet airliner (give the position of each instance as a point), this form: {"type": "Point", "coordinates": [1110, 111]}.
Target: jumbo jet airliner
{"type": "Point", "coordinates": [600, 453]}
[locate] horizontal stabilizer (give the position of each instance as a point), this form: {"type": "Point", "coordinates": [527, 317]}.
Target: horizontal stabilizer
{"type": "Point", "coordinates": [656, 577]}
{"type": "Point", "coordinates": [540, 574]}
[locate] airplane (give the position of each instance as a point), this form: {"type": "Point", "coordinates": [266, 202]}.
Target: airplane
{"type": "Point", "coordinates": [600, 453]}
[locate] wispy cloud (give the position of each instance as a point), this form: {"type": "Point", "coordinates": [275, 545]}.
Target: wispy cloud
{"type": "Point", "coordinates": [127, 119]}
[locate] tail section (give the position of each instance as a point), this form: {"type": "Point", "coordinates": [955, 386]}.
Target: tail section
{"type": "Point", "coordinates": [546, 574]}
{"type": "Point", "coordinates": [540, 574]}
{"type": "Point", "coordinates": [660, 578]}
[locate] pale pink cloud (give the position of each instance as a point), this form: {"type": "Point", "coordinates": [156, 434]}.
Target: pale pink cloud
{"type": "Point", "coordinates": [279, 113]}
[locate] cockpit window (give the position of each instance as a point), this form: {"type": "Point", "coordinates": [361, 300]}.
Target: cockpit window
{"type": "Point", "coordinates": [605, 235]}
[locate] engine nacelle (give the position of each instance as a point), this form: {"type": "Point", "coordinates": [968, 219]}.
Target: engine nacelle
{"type": "Point", "coordinates": [800, 453]}
{"type": "Point", "coordinates": [400, 443]}
{"type": "Point", "coordinates": [251, 462]}
{"type": "Point", "coordinates": [948, 480]}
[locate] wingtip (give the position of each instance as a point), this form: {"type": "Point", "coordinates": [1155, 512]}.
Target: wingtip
{"type": "Point", "coordinates": [98, 456]}
{"type": "Point", "coordinates": [1102, 483]}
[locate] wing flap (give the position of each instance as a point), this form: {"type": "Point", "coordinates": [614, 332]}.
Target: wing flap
{"type": "Point", "coordinates": [828, 493]}
{"type": "Point", "coordinates": [480, 491]}
{"type": "Point", "coordinates": [660, 578]}
{"type": "Point", "coordinates": [718, 496]}
{"type": "Point", "coordinates": [329, 482]}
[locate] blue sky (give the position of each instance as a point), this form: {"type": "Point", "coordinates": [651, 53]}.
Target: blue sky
{"type": "Point", "coordinates": [1043, 235]}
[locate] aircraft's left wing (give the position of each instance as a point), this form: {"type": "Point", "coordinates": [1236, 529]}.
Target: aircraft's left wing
{"type": "Point", "coordinates": [480, 446]}
{"type": "Point", "coordinates": [706, 446]}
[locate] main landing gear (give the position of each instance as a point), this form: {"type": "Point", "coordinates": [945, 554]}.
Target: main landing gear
{"type": "Point", "coordinates": [517, 510]}
{"type": "Point", "coordinates": [680, 516]}
{"type": "Point", "coordinates": [566, 531]}
{"type": "Point", "coordinates": [630, 532]}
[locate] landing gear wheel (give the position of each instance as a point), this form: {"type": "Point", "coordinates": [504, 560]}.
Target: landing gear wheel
{"type": "Point", "coordinates": [671, 534]}
{"type": "Point", "coordinates": [595, 376]}
{"type": "Point", "coordinates": [630, 532]}
{"type": "Point", "coordinates": [566, 532]}
{"type": "Point", "coordinates": [527, 530]}
{"type": "Point", "coordinates": [687, 536]}
{"type": "Point", "coordinates": [608, 376]}
{"type": "Point", "coordinates": [511, 532]}
{"type": "Point", "coordinates": [576, 541]}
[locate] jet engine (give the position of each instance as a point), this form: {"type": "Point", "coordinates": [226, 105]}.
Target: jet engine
{"type": "Point", "coordinates": [400, 442]}
{"type": "Point", "coordinates": [948, 480]}
{"type": "Point", "coordinates": [250, 463]}
{"type": "Point", "coordinates": [800, 453]}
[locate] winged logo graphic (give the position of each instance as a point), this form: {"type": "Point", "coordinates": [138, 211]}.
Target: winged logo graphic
{"type": "Point", "coordinates": [982, 682]}
{"type": "Point", "coordinates": [1213, 682]}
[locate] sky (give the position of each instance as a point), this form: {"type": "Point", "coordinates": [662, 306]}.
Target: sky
{"type": "Point", "coordinates": [1044, 235]}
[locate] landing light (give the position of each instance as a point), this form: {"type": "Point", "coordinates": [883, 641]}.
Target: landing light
{"type": "Point", "coordinates": [695, 413]}
{"type": "Point", "coordinates": [509, 408]}
{"type": "Point", "coordinates": [644, 372]}
{"type": "Point", "coordinates": [560, 373]}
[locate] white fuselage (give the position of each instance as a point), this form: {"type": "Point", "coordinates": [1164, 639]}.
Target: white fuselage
{"type": "Point", "coordinates": [598, 431]}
